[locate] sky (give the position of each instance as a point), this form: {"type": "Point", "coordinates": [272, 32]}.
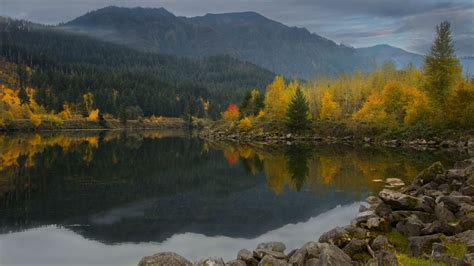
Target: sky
{"type": "Point", "coordinates": [408, 24]}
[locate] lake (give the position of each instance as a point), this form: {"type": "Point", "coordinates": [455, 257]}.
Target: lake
{"type": "Point", "coordinates": [112, 197]}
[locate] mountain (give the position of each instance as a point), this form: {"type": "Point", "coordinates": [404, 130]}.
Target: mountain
{"type": "Point", "coordinates": [67, 65]}
{"type": "Point", "coordinates": [248, 36]}
{"type": "Point", "coordinates": [382, 53]}
{"type": "Point", "coordinates": [379, 54]}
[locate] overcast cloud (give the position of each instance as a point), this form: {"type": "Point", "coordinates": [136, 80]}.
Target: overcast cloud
{"type": "Point", "coordinates": [408, 24]}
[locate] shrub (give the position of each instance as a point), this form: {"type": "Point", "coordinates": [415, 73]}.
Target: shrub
{"type": "Point", "coordinates": [245, 124]}
{"type": "Point", "coordinates": [35, 119]}
{"type": "Point", "coordinates": [93, 115]}
{"type": "Point", "coordinates": [232, 113]}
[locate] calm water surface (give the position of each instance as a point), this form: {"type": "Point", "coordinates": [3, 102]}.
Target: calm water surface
{"type": "Point", "coordinates": [83, 198]}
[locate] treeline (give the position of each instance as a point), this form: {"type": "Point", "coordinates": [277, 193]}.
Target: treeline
{"type": "Point", "coordinates": [387, 99]}
{"type": "Point", "coordinates": [66, 66]}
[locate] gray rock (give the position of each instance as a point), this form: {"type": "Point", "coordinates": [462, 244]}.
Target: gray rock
{"type": "Point", "coordinates": [399, 201]}
{"type": "Point", "coordinates": [438, 227]}
{"type": "Point", "coordinates": [212, 261]}
{"type": "Point", "coordinates": [247, 256]}
{"type": "Point", "coordinates": [354, 247]}
{"type": "Point", "coordinates": [454, 203]}
{"type": "Point", "coordinates": [467, 260]}
{"type": "Point", "coordinates": [419, 245]}
{"type": "Point", "coordinates": [260, 253]}
{"type": "Point", "coordinates": [331, 255]}
{"type": "Point", "coordinates": [429, 174]}
{"type": "Point", "coordinates": [164, 258]}
{"type": "Point", "coordinates": [357, 232]}
{"type": "Point", "coordinates": [443, 214]}
{"type": "Point", "coordinates": [412, 226]}
{"type": "Point", "coordinates": [269, 260]}
{"type": "Point", "coordinates": [362, 217]}
{"type": "Point", "coordinates": [383, 210]}
{"type": "Point", "coordinates": [275, 246]}
{"type": "Point", "coordinates": [423, 216]}
{"type": "Point", "coordinates": [236, 263]}
{"type": "Point", "coordinates": [386, 258]}
{"type": "Point", "coordinates": [380, 242]}
{"type": "Point", "coordinates": [394, 182]}
{"type": "Point", "coordinates": [467, 222]}
{"type": "Point", "coordinates": [337, 236]}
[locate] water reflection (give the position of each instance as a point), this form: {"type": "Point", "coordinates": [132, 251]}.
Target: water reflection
{"type": "Point", "coordinates": [168, 187]}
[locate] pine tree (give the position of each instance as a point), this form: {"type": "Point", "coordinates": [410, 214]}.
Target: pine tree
{"type": "Point", "coordinates": [441, 67]}
{"type": "Point", "coordinates": [24, 99]}
{"type": "Point", "coordinates": [297, 114]}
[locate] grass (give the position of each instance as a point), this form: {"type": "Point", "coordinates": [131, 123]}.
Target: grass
{"type": "Point", "coordinates": [455, 249]}
{"type": "Point", "coordinates": [405, 260]}
{"type": "Point", "coordinates": [399, 241]}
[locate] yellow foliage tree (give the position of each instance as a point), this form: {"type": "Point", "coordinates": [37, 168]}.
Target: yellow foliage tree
{"type": "Point", "coordinates": [460, 104]}
{"type": "Point", "coordinates": [245, 124]}
{"type": "Point", "coordinates": [330, 110]}
{"type": "Point", "coordinates": [93, 115]}
{"type": "Point", "coordinates": [277, 99]}
{"type": "Point", "coordinates": [372, 111]}
{"type": "Point", "coordinates": [35, 119]}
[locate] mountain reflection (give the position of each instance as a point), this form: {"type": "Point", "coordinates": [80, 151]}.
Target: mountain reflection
{"type": "Point", "coordinates": [115, 186]}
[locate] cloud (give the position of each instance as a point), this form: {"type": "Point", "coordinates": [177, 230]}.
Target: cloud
{"type": "Point", "coordinates": [405, 23]}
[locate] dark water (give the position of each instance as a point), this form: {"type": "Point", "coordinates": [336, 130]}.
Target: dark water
{"type": "Point", "coordinates": [112, 197]}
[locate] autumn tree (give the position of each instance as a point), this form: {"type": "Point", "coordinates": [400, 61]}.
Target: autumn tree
{"type": "Point", "coordinates": [297, 115]}
{"type": "Point", "coordinates": [372, 111]}
{"type": "Point", "coordinates": [232, 113]}
{"type": "Point", "coordinates": [330, 110]}
{"type": "Point", "coordinates": [253, 103]}
{"type": "Point", "coordinates": [441, 67]}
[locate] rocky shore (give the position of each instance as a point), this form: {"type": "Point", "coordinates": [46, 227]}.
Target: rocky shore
{"type": "Point", "coordinates": [428, 222]}
{"type": "Point", "coordinates": [462, 144]}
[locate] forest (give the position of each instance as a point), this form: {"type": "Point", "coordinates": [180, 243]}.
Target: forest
{"type": "Point", "coordinates": [435, 97]}
{"type": "Point", "coordinates": [65, 72]}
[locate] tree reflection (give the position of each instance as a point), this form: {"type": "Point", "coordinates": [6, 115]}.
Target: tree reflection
{"type": "Point", "coordinates": [297, 157]}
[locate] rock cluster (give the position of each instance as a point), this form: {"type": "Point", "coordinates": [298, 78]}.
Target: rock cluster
{"type": "Point", "coordinates": [434, 216]}
{"type": "Point", "coordinates": [465, 143]}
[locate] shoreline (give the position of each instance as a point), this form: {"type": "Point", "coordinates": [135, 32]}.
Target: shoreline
{"type": "Point", "coordinates": [427, 222]}
{"type": "Point", "coordinates": [461, 143]}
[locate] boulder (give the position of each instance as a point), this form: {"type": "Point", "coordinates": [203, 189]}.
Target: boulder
{"type": "Point", "coordinates": [269, 260]}
{"type": "Point", "coordinates": [467, 260]}
{"type": "Point", "coordinates": [454, 203]}
{"type": "Point", "coordinates": [386, 258]}
{"type": "Point", "coordinates": [362, 217]}
{"type": "Point", "coordinates": [411, 226]}
{"type": "Point", "coordinates": [380, 242]}
{"type": "Point", "coordinates": [164, 258]}
{"type": "Point", "coordinates": [275, 246]}
{"type": "Point", "coordinates": [247, 256]}
{"type": "Point", "coordinates": [399, 201]}
{"type": "Point", "coordinates": [394, 182]}
{"type": "Point", "coordinates": [419, 245]}
{"type": "Point", "coordinates": [299, 256]}
{"type": "Point", "coordinates": [357, 250]}
{"type": "Point", "coordinates": [423, 216]}
{"type": "Point", "coordinates": [383, 210]}
{"type": "Point", "coordinates": [357, 232]}
{"type": "Point", "coordinates": [337, 236]}
{"type": "Point", "coordinates": [331, 255]}
{"type": "Point", "coordinates": [467, 222]}
{"type": "Point", "coordinates": [429, 174]}
{"type": "Point", "coordinates": [212, 261]}
{"type": "Point", "coordinates": [443, 214]}
{"type": "Point", "coordinates": [438, 227]}
{"type": "Point", "coordinates": [260, 253]}
{"type": "Point", "coordinates": [236, 263]}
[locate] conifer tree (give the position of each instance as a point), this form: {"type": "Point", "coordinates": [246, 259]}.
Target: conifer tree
{"type": "Point", "coordinates": [297, 114]}
{"type": "Point", "coordinates": [441, 67]}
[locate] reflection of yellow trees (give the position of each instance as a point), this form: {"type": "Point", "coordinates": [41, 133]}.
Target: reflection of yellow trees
{"type": "Point", "coordinates": [245, 151]}
{"type": "Point", "coordinates": [277, 172]}
{"type": "Point", "coordinates": [329, 166]}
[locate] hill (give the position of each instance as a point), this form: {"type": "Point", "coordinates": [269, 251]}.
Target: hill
{"type": "Point", "coordinates": [248, 36]}
{"type": "Point", "coordinates": [67, 65]}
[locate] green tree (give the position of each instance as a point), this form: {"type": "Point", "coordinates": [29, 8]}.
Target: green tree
{"type": "Point", "coordinates": [297, 114]}
{"type": "Point", "coordinates": [441, 67]}
{"type": "Point", "coordinates": [24, 99]}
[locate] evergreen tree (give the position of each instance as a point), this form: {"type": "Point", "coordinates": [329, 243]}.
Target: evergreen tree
{"type": "Point", "coordinates": [24, 99]}
{"type": "Point", "coordinates": [297, 114]}
{"type": "Point", "coordinates": [441, 67]}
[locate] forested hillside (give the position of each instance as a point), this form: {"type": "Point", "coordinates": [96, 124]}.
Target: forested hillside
{"type": "Point", "coordinates": [76, 70]}
{"type": "Point", "coordinates": [248, 36]}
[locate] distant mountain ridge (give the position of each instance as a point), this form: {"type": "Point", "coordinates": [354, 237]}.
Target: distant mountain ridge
{"type": "Point", "coordinates": [248, 36]}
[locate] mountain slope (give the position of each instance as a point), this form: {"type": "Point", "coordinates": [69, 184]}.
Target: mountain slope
{"type": "Point", "coordinates": [248, 36]}
{"type": "Point", "coordinates": [67, 65]}
{"type": "Point", "coordinates": [382, 53]}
